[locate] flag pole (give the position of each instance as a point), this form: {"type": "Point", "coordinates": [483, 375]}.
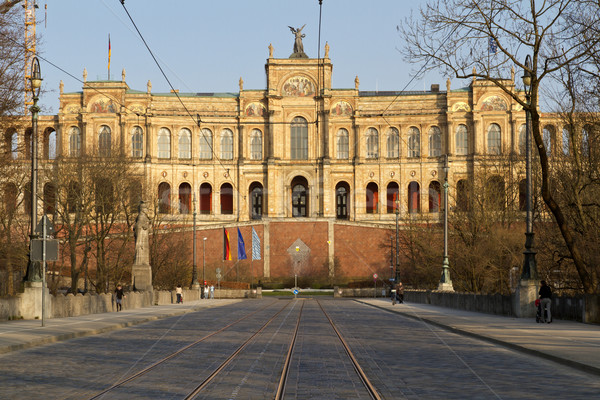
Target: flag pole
{"type": "Point", "coordinates": [109, 56]}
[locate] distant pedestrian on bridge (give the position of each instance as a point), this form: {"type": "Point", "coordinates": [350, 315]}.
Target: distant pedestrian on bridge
{"type": "Point", "coordinates": [119, 295]}
{"type": "Point", "coordinates": [546, 300]}
{"type": "Point", "coordinates": [179, 292]}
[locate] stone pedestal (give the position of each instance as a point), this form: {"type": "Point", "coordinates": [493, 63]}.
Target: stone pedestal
{"type": "Point", "coordinates": [31, 301]}
{"type": "Point", "coordinates": [141, 277]}
{"type": "Point", "coordinates": [524, 298]}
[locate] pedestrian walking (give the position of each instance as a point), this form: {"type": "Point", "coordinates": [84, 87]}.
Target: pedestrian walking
{"type": "Point", "coordinates": [179, 292]}
{"type": "Point", "coordinates": [119, 295]}
{"type": "Point", "coordinates": [546, 301]}
{"type": "Point", "coordinates": [206, 292]}
{"type": "Point", "coordinates": [212, 292]}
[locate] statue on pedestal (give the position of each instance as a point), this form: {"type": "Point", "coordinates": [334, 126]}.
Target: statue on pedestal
{"type": "Point", "coordinates": [141, 273]}
{"type": "Point", "coordinates": [298, 46]}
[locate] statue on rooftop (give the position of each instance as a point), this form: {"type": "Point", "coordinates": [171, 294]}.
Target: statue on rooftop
{"type": "Point", "coordinates": [298, 46]}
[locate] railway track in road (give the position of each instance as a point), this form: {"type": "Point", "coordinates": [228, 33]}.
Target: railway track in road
{"type": "Point", "coordinates": [176, 353]}
{"type": "Point", "coordinates": [248, 344]}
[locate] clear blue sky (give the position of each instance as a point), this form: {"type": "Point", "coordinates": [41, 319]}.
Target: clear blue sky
{"type": "Point", "coordinates": [205, 46]}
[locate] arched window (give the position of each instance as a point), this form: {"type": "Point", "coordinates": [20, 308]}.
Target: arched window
{"type": "Point", "coordinates": [548, 138]}
{"type": "Point", "coordinates": [28, 138]}
{"type": "Point", "coordinates": [393, 143]}
{"type": "Point", "coordinates": [494, 142]}
{"type": "Point", "coordinates": [435, 142]}
{"type": "Point", "coordinates": [164, 143]}
{"type": "Point", "coordinates": [135, 195]}
{"type": "Point", "coordinates": [585, 140]}
{"type": "Point", "coordinates": [185, 144]}
{"type": "Point", "coordinates": [435, 197]}
{"type": "Point", "coordinates": [206, 144]}
{"type": "Point", "coordinates": [414, 197]}
{"type": "Point", "coordinates": [185, 198]}
{"type": "Point", "coordinates": [104, 196]}
{"type": "Point", "coordinates": [495, 193]}
{"type": "Point", "coordinates": [104, 141]}
{"type": "Point", "coordinates": [523, 195]}
{"type": "Point", "coordinates": [522, 139]}
{"type": "Point", "coordinates": [372, 136]}
{"type": "Point", "coordinates": [49, 144]}
{"type": "Point", "coordinates": [299, 197]}
{"type": "Point", "coordinates": [27, 198]}
{"type": "Point", "coordinates": [463, 196]}
{"type": "Point", "coordinates": [49, 198]}
{"type": "Point", "coordinates": [74, 141]}
{"type": "Point", "coordinates": [12, 143]}
{"type": "Point", "coordinates": [462, 140]}
{"type": "Point", "coordinates": [227, 144]}
{"type": "Point", "coordinates": [565, 140]}
{"type": "Point", "coordinates": [205, 198]}
{"type": "Point", "coordinates": [256, 200]}
{"type": "Point", "coordinates": [137, 142]}
{"type": "Point", "coordinates": [226, 198]}
{"type": "Point", "coordinates": [393, 192]}
{"type": "Point", "coordinates": [414, 142]}
{"type": "Point", "coordinates": [341, 200]}
{"type": "Point", "coordinates": [10, 198]}
{"type": "Point", "coordinates": [372, 198]}
{"type": "Point", "coordinates": [73, 196]}
{"type": "Point", "coordinates": [256, 152]}
{"type": "Point", "coordinates": [164, 198]}
{"type": "Point", "coordinates": [342, 144]}
{"type": "Point", "coordinates": [299, 139]}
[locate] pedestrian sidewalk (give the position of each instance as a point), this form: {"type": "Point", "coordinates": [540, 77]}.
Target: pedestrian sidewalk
{"type": "Point", "coordinates": [24, 334]}
{"type": "Point", "coordinates": [570, 343]}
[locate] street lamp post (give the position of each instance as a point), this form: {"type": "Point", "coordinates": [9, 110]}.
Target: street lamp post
{"type": "Point", "coordinates": [397, 277]}
{"type": "Point", "coordinates": [195, 284]}
{"type": "Point", "coordinates": [445, 281]}
{"type": "Point", "coordinates": [34, 273]}
{"type": "Point", "coordinates": [529, 264]}
{"type": "Point", "coordinates": [204, 262]}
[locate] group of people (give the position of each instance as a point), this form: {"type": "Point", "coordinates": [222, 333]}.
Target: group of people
{"type": "Point", "coordinates": [208, 292]}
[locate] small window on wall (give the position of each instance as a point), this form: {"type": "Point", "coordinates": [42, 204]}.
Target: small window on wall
{"type": "Point", "coordinates": [372, 199]}
{"type": "Point", "coordinates": [205, 198]}
{"type": "Point", "coordinates": [104, 141]}
{"type": "Point", "coordinates": [227, 144]}
{"type": "Point", "coordinates": [226, 199]}
{"type": "Point", "coordinates": [342, 144]}
{"type": "Point", "coordinates": [185, 144]}
{"type": "Point", "coordinates": [185, 198]}
{"type": "Point", "coordinates": [435, 142]}
{"type": "Point", "coordinates": [299, 200]}
{"type": "Point", "coordinates": [414, 198]}
{"type": "Point", "coordinates": [372, 143]}
{"type": "Point", "coordinates": [392, 196]}
{"type": "Point", "coordinates": [74, 142]}
{"type": "Point", "coordinates": [393, 143]}
{"type": "Point", "coordinates": [462, 140]}
{"type": "Point", "coordinates": [256, 201]}
{"type": "Point", "coordinates": [299, 139]}
{"type": "Point", "coordinates": [435, 197]}
{"type": "Point", "coordinates": [164, 198]}
{"type": "Point", "coordinates": [137, 142]}
{"type": "Point", "coordinates": [414, 142]}
{"type": "Point", "coordinates": [164, 143]}
{"type": "Point", "coordinates": [206, 144]}
{"type": "Point", "coordinates": [522, 139]}
{"type": "Point", "coordinates": [256, 145]}
{"type": "Point", "coordinates": [494, 140]}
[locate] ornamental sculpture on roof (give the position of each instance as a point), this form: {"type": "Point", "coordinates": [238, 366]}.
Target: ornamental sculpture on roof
{"type": "Point", "coordinates": [298, 46]}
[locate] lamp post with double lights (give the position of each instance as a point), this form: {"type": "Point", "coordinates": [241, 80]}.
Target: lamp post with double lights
{"type": "Point", "coordinates": [195, 284]}
{"type": "Point", "coordinates": [529, 264]}
{"type": "Point", "coordinates": [445, 281]}
{"type": "Point", "coordinates": [397, 276]}
{"type": "Point", "coordinates": [34, 272]}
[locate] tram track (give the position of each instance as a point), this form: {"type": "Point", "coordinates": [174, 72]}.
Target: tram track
{"type": "Point", "coordinates": [174, 354]}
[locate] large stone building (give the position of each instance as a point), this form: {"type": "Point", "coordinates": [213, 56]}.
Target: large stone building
{"type": "Point", "coordinates": [296, 153]}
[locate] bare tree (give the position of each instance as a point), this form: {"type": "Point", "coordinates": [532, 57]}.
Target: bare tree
{"type": "Point", "coordinates": [487, 39]}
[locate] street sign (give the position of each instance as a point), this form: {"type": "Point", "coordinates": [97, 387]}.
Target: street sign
{"type": "Point", "coordinates": [219, 276]}
{"type": "Point", "coordinates": [39, 229]}
{"type": "Point", "coordinates": [295, 291]}
{"type": "Point", "coordinates": [375, 276]}
{"type": "Point", "coordinates": [51, 250]}
{"type": "Point", "coordinates": [218, 270]}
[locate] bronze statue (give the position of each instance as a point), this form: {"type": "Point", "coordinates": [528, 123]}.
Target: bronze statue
{"type": "Point", "coordinates": [298, 46]}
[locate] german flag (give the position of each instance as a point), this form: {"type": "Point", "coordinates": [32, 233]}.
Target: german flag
{"type": "Point", "coordinates": [226, 248]}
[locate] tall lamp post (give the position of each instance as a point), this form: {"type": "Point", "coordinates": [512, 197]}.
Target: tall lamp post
{"type": "Point", "coordinates": [445, 281]}
{"type": "Point", "coordinates": [195, 284]}
{"type": "Point", "coordinates": [34, 273]}
{"type": "Point", "coordinates": [204, 262]}
{"type": "Point", "coordinates": [397, 277]}
{"type": "Point", "coordinates": [529, 265]}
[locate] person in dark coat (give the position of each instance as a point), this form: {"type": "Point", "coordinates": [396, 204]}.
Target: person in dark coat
{"type": "Point", "coordinates": [546, 300]}
{"type": "Point", "coordinates": [119, 295]}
